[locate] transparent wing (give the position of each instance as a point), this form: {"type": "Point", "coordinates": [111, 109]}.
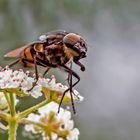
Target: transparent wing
{"type": "Point", "coordinates": [16, 52]}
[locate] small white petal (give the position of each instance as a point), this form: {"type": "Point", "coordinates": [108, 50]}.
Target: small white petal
{"type": "Point", "coordinates": [2, 126]}
{"type": "Point", "coordinates": [73, 134]}
{"type": "Point", "coordinates": [48, 108]}
{"type": "Point", "coordinates": [60, 139]}
{"type": "Point", "coordinates": [33, 117]}
{"type": "Point", "coordinates": [30, 127]}
{"type": "Point", "coordinates": [36, 91]}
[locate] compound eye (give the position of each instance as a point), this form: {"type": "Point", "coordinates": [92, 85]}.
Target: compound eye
{"type": "Point", "coordinates": [43, 38]}
{"type": "Point", "coordinates": [71, 39]}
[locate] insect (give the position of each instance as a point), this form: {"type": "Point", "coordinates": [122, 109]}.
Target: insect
{"type": "Point", "coordinates": [57, 49]}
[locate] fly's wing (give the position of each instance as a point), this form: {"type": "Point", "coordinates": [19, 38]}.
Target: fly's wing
{"type": "Point", "coordinates": [58, 32]}
{"type": "Point", "coordinates": [16, 52]}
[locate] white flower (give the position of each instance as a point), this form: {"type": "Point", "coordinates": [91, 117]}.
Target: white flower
{"type": "Point", "coordinates": [21, 80]}
{"type": "Point", "coordinates": [59, 125]}
{"type": "Point", "coordinates": [58, 87]}
{"type": "Point", "coordinates": [36, 91]}
{"type": "Point", "coordinates": [11, 79]}
{"type": "Point", "coordinates": [32, 117]}
{"type": "Point", "coordinates": [73, 135]}
{"type": "Point", "coordinates": [27, 83]}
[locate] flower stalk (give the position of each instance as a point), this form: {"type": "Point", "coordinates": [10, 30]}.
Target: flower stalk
{"type": "Point", "coordinates": [12, 104]}
{"type": "Point", "coordinates": [7, 98]}
{"type": "Point", "coordinates": [12, 128]}
{"type": "Point", "coordinates": [32, 109]}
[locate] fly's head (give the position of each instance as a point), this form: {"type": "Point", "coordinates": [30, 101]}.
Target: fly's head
{"type": "Point", "coordinates": [76, 44]}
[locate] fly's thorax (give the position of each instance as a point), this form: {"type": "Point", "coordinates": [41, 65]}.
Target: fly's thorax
{"type": "Point", "coordinates": [55, 54]}
{"type": "Point", "coordinates": [54, 37]}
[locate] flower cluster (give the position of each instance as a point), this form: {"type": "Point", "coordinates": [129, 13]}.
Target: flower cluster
{"type": "Point", "coordinates": [58, 88]}
{"type": "Point", "coordinates": [52, 125]}
{"type": "Point", "coordinates": [47, 122]}
{"type": "Point", "coordinates": [17, 80]}
{"type": "Point", "coordinates": [22, 83]}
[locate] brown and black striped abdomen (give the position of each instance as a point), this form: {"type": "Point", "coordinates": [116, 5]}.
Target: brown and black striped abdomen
{"type": "Point", "coordinates": [27, 55]}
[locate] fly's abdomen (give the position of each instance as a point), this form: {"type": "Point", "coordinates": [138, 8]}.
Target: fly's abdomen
{"type": "Point", "coordinates": [27, 57]}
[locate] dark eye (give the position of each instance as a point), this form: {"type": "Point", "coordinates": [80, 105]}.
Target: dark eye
{"type": "Point", "coordinates": [83, 45]}
{"type": "Point", "coordinates": [69, 42]}
{"type": "Point", "coordinates": [71, 38]}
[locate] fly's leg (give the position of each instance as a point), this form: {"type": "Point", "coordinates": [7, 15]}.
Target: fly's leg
{"type": "Point", "coordinates": [46, 71]}
{"type": "Point", "coordinates": [71, 73]}
{"type": "Point", "coordinates": [24, 60]}
{"type": "Point", "coordinates": [36, 62]}
{"type": "Point", "coordinates": [68, 78]}
{"type": "Point", "coordinates": [13, 63]}
{"type": "Point", "coordinates": [70, 87]}
{"type": "Point", "coordinates": [36, 74]}
{"type": "Point", "coordinates": [36, 71]}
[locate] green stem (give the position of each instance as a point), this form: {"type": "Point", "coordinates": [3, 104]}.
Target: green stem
{"type": "Point", "coordinates": [12, 108]}
{"type": "Point", "coordinates": [32, 109]}
{"type": "Point", "coordinates": [25, 121]}
{"type": "Point", "coordinates": [11, 102]}
{"type": "Point", "coordinates": [7, 98]}
{"type": "Point", "coordinates": [12, 129]}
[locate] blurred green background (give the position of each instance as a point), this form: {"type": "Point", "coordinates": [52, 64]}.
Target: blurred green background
{"type": "Point", "coordinates": [111, 82]}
